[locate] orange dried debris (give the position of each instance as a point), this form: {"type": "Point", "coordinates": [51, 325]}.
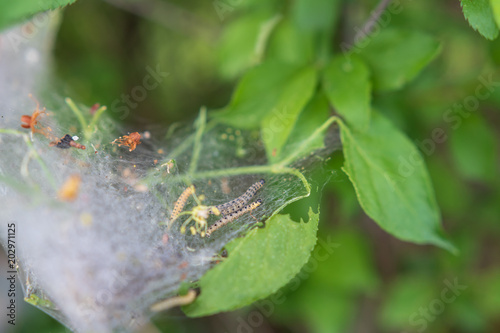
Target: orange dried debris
{"type": "Point", "coordinates": [32, 122]}
{"type": "Point", "coordinates": [131, 140]}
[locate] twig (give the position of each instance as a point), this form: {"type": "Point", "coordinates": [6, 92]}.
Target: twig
{"type": "Point", "coordinates": [201, 124]}
{"type": "Point", "coordinates": [375, 15]}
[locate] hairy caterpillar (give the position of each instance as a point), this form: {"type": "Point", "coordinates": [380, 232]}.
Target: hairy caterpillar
{"type": "Point", "coordinates": [181, 202]}
{"type": "Point", "coordinates": [238, 203]}
{"type": "Point", "coordinates": [233, 216]}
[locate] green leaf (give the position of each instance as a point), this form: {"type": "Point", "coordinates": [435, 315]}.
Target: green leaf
{"type": "Point", "coordinates": [270, 88]}
{"type": "Point", "coordinates": [347, 85]}
{"type": "Point", "coordinates": [315, 15]}
{"type": "Point", "coordinates": [495, 6]}
{"type": "Point", "coordinates": [480, 17]}
{"type": "Point", "coordinates": [292, 45]}
{"type": "Point", "coordinates": [314, 115]}
{"type": "Point", "coordinates": [395, 57]}
{"type": "Point", "coordinates": [12, 12]}
{"type": "Point", "coordinates": [257, 266]}
{"type": "Point", "coordinates": [392, 182]}
{"type": "Point", "coordinates": [280, 121]}
{"type": "Point", "coordinates": [243, 43]}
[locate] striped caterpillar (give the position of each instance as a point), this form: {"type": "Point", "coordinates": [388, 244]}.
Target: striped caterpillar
{"type": "Point", "coordinates": [233, 216]}
{"type": "Point", "coordinates": [238, 203]}
{"type": "Point", "coordinates": [181, 202]}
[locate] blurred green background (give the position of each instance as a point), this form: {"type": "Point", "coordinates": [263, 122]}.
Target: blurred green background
{"type": "Point", "coordinates": [369, 281]}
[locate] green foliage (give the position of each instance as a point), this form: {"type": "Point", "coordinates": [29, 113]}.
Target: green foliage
{"type": "Point", "coordinates": [392, 182]}
{"type": "Point", "coordinates": [347, 84]}
{"type": "Point", "coordinates": [395, 57]}
{"type": "Point", "coordinates": [480, 16]}
{"type": "Point", "coordinates": [240, 47]}
{"type": "Point", "coordinates": [263, 261]}
{"type": "Point", "coordinates": [324, 296]}
{"type": "Point", "coordinates": [15, 11]}
{"type": "Point", "coordinates": [279, 123]}
{"type": "Point", "coordinates": [314, 115]}
{"type": "Point", "coordinates": [316, 15]}
{"type": "Point", "coordinates": [495, 7]}
{"type": "Point", "coordinates": [265, 88]}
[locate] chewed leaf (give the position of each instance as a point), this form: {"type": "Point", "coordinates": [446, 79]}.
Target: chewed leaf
{"type": "Point", "coordinates": [392, 182]}
{"type": "Point", "coordinates": [348, 87]}
{"type": "Point", "coordinates": [480, 17]}
{"type": "Point", "coordinates": [395, 57]}
{"type": "Point", "coordinates": [259, 265]}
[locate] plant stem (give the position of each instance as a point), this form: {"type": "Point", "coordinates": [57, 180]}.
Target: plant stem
{"type": "Point", "coordinates": [264, 33]}
{"type": "Point", "coordinates": [305, 144]}
{"type": "Point", "coordinates": [12, 131]}
{"type": "Point", "coordinates": [224, 173]}
{"type": "Point", "coordinates": [202, 121]}
{"type": "Point", "coordinates": [42, 164]}
{"type": "Point", "coordinates": [96, 117]}
{"type": "Point", "coordinates": [375, 15]}
{"type": "Point", "coordinates": [33, 153]}
{"type": "Point", "coordinates": [79, 115]}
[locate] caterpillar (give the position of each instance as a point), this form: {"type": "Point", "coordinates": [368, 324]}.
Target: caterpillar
{"type": "Point", "coordinates": [232, 216]}
{"type": "Point", "coordinates": [181, 202]}
{"type": "Point", "coordinates": [239, 202]}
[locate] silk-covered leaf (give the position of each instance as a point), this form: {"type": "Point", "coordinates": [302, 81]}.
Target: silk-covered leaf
{"type": "Point", "coordinates": [257, 265]}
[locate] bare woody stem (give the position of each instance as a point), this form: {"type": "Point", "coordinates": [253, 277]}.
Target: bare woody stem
{"type": "Point", "coordinates": [375, 15]}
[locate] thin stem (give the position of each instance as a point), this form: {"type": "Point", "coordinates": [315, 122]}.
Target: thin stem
{"type": "Point", "coordinates": [202, 121]}
{"type": "Point", "coordinates": [305, 144]}
{"type": "Point", "coordinates": [24, 166]}
{"type": "Point", "coordinates": [96, 117]}
{"type": "Point", "coordinates": [79, 115]}
{"type": "Point", "coordinates": [42, 164]}
{"type": "Point", "coordinates": [11, 131]}
{"type": "Point", "coordinates": [224, 173]}
{"type": "Point", "coordinates": [32, 153]}
{"type": "Point", "coordinates": [375, 15]}
{"type": "Point", "coordinates": [264, 33]}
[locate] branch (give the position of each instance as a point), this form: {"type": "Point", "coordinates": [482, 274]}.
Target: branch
{"type": "Point", "coordinates": [375, 16]}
